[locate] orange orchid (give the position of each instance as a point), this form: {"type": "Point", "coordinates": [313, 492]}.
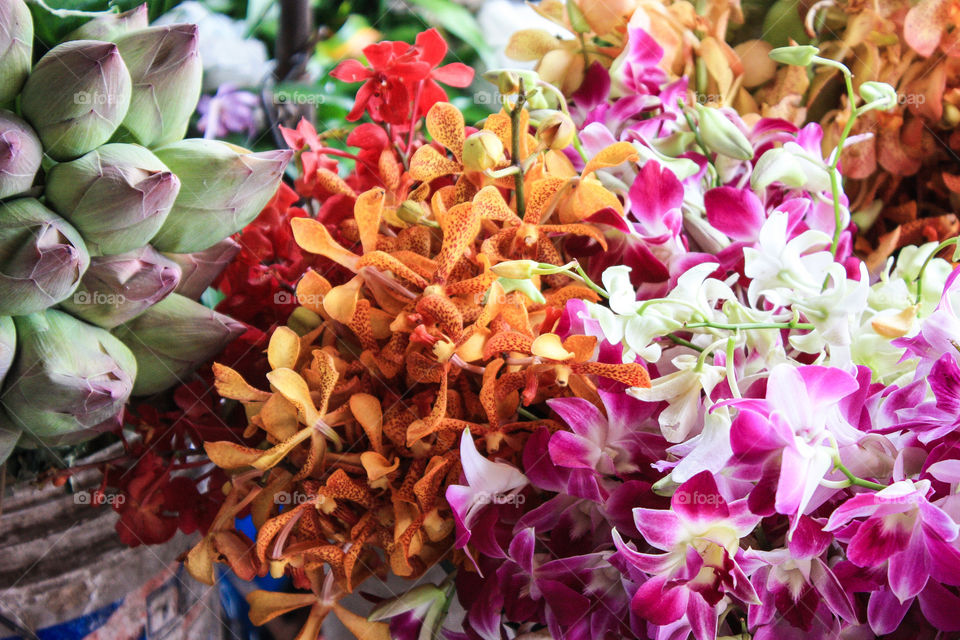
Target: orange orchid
{"type": "Point", "coordinates": [376, 376]}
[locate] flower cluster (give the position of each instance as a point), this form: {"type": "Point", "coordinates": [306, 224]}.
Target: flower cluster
{"type": "Point", "coordinates": [746, 429]}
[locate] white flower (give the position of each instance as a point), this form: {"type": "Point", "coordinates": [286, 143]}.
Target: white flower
{"type": "Point", "coordinates": [681, 390]}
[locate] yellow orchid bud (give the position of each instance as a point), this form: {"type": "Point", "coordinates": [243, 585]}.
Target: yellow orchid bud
{"type": "Point", "coordinates": [557, 131]}
{"type": "Point", "coordinates": [483, 150]}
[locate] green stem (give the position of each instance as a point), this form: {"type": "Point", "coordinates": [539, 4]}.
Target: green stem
{"type": "Point", "coordinates": [684, 343]}
{"type": "Point", "coordinates": [731, 374]}
{"type": "Point", "coordinates": [746, 326]}
{"type": "Point", "coordinates": [940, 247]}
{"type": "Point", "coordinates": [854, 480]}
{"type": "Point", "coordinates": [583, 277]}
{"type": "Point", "coordinates": [515, 147]}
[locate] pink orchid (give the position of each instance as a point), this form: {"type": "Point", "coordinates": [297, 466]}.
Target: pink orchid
{"type": "Point", "coordinates": [701, 536]}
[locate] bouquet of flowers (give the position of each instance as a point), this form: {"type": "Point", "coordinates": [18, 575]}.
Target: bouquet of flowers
{"type": "Point", "coordinates": [610, 359]}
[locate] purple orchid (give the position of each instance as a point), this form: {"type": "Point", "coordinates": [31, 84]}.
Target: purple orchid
{"type": "Point", "coordinates": [701, 536]}
{"type": "Point", "coordinates": [903, 530]}
{"type": "Point", "coordinates": [229, 110]}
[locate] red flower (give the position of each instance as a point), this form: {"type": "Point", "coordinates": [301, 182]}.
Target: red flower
{"type": "Point", "coordinates": [398, 73]}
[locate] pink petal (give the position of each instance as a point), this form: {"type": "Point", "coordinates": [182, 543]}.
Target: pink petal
{"type": "Point", "coordinates": [907, 571]}
{"type": "Point", "coordinates": [659, 605]}
{"type": "Point", "coordinates": [658, 527]}
{"type": "Point", "coordinates": [885, 612]}
{"type": "Point", "coordinates": [875, 541]}
{"type": "Point", "coordinates": [736, 212]}
{"type": "Point", "coordinates": [574, 451]}
{"type": "Point", "coordinates": [699, 500]}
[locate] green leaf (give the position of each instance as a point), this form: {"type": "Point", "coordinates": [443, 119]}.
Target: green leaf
{"type": "Point", "coordinates": [461, 23]}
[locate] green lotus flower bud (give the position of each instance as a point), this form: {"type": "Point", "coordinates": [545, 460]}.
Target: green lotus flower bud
{"type": "Point", "coordinates": [800, 55]}
{"type": "Point", "coordinates": [76, 97]}
{"type": "Point", "coordinates": [224, 187]}
{"type": "Point", "coordinates": [42, 257]}
{"type": "Point", "coordinates": [165, 67]}
{"type": "Point", "coordinates": [508, 80]}
{"type": "Point", "coordinates": [879, 92]}
{"type": "Point", "coordinates": [16, 48]}
{"type": "Point", "coordinates": [721, 136]}
{"type": "Point", "coordinates": [112, 26]}
{"type": "Point", "coordinates": [118, 196]}
{"type": "Point", "coordinates": [172, 338]}
{"type": "Point", "coordinates": [118, 288]}
{"type": "Point", "coordinates": [200, 269]}
{"type": "Point", "coordinates": [20, 155]}
{"type": "Point", "coordinates": [70, 379]}
{"type": "Point", "coordinates": [483, 150]}
{"type": "Point", "coordinates": [556, 131]}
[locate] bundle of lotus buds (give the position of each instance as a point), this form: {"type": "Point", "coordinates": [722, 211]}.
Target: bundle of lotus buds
{"type": "Point", "coordinates": [103, 206]}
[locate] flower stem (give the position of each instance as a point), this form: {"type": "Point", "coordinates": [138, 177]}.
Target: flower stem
{"type": "Point", "coordinates": [682, 342]}
{"type": "Point", "coordinates": [940, 247]}
{"type": "Point", "coordinates": [515, 134]}
{"type": "Point", "coordinates": [854, 480]}
{"type": "Point", "coordinates": [74, 13]}
{"type": "Point", "coordinates": [746, 326]}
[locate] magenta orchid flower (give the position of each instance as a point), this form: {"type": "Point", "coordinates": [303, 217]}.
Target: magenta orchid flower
{"type": "Point", "coordinates": [488, 483]}
{"type": "Point", "coordinates": [903, 530]}
{"type": "Point", "coordinates": [797, 428]}
{"type": "Point", "coordinates": [701, 537]}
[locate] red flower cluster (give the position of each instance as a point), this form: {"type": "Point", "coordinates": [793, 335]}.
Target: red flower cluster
{"type": "Point", "coordinates": [400, 75]}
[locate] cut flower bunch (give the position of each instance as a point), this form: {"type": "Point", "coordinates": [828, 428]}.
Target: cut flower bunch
{"type": "Point", "coordinates": [609, 360]}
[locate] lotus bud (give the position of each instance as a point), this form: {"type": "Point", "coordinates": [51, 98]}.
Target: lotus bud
{"type": "Point", "coordinates": [224, 187]}
{"type": "Point", "coordinates": [722, 136]}
{"type": "Point", "coordinates": [171, 338]}
{"type": "Point", "coordinates": [76, 97]}
{"type": "Point", "coordinates": [483, 150]}
{"type": "Point", "coordinates": [881, 93]}
{"type": "Point", "coordinates": [16, 48]}
{"type": "Point", "coordinates": [70, 379]}
{"type": "Point", "coordinates": [20, 155]}
{"type": "Point", "coordinates": [111, 26]}
{"type": "Point", "coordinates": [556, 131]}
{"type": "Point", "coordinates": [117, 196]}
{"type": "Point", "coordinates": [42, 257]}
{"type": "Point", "coordinates": [118, 288]}
{"type": "Point", "coordinates": [165, 67]}
{"type": "Point", "coordinates": [8, 345]}
{"type": "Point", "coordinates": [800, 55]}
{"type": "Point", "coordinates": [508, 80]}
{"type": "Point", "coordinates": [200, 269]}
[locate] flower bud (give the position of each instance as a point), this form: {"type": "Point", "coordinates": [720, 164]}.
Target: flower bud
{"type": "Point", "coordinates": [200, 269]}
{"type": "Point", "coordinates": [800, 55]}
{"type": "Point", "coordinates": [722, 136]}
{"type": "Point", "coordinates": [173, 337]}
{"type": "Point", "coordinates": [880, 92]}
{"type": "Point", "coordinates": [16, 48]}
{"type": "Point", "coordinates": [556, 131]}
{"type": "Point", "coordinates": [118, 288]}
{"type": "Point", "coordinates": [516, 269]}
{"type": "Point", "coordinates": [508, 80]}
{"type": "Point", "coordinates": [165, 67]}
{"type": "Point", "coordinates": [483, 150]}
{"type": "Point", "coordinates": [111, 26]}
{"type": "Point", "coordinates": [20, 155]}
{"type": "Point", "coordinates": [70, 379]}
{"type": "Point", "coordinates": [76, 97]}
{"type": "Point", "coordinates": [42, 257]}
{"type": "Point", "coordinates": [118, 196]}
{"type": "Point", "coordinates": [224, 187]}
{"type": "Point", "coordinates": [8, 346]}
